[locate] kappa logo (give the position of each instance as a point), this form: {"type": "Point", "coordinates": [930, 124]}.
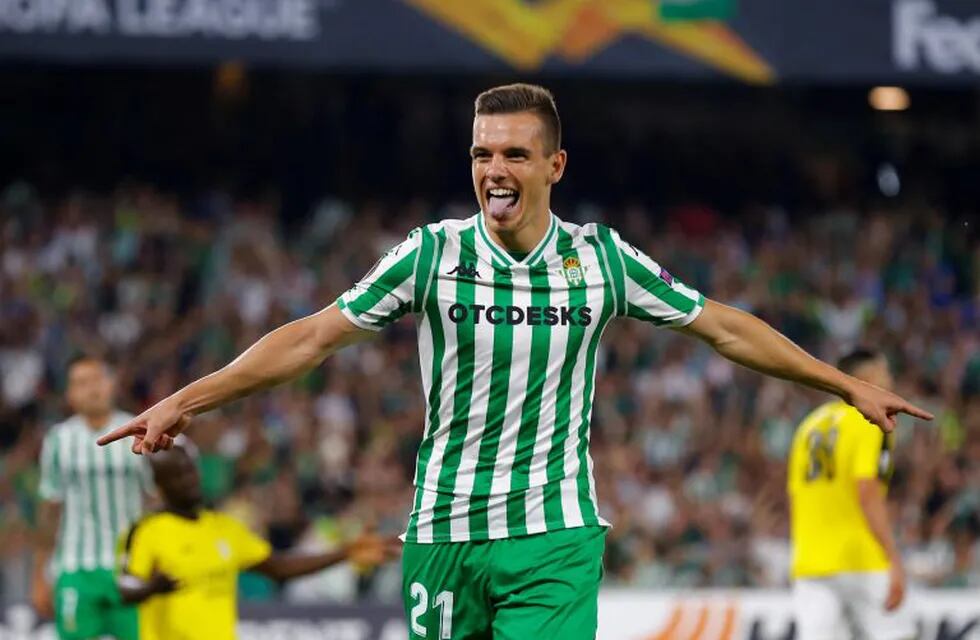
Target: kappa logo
{"type": "Point", "coordinates": [466, 270]}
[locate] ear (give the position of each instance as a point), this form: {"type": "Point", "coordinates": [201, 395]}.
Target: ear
{"type": "Point", "coordinates": [558, 161]}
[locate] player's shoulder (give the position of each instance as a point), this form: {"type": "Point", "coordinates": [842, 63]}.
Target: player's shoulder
{"type": "Point", "coordinates": [819, 415]}
{"type": "Point", "coordinates": [449, 227]}
{"type": "Point", "coordinates": [58, 429]}
{"type": "Point", "coordinates": [596, 230]}
{"type": "Point", "coordinates": [220, 520]}
{"type": "Point", "coordinates": [843, 415]}
{"type": "Point", "coordinates": [853, 420]}
{"type": "Point", "coordinates": [593, 234]}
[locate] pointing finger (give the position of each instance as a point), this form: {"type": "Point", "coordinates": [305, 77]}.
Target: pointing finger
{"type": "Point", "coordinates": [913, 410]}
{"type": "Point", "coordinates": [131, 428]}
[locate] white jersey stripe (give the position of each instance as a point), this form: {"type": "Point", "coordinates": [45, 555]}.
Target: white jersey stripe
{"type": "Point", "coordinates": [483, 365]}
{"type": "Point", "coordinates": [89, 559]}
{"type": "Point", "coordinates": [534, 508]}
{"type": "Point", "coordinates": [100, 476]}
{"type": "Point", "coordinates": [445, 289]}
{"type": "Point", "coordinates": [519, 368]}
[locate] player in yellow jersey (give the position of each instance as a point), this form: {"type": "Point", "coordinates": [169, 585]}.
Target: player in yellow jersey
{"type": "Point", "coordinates": [182, 564]}
{"type": "Point", "coordinates": [847, 571]}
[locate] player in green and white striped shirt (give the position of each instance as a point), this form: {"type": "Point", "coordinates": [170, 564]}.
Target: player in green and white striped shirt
{"type": "Point", "coordinates": [505, 540]}
{"type": "Point", "coordinates": [91, 496]}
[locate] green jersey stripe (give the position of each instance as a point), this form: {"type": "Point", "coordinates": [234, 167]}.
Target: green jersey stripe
{"type": "Point", "coordinates": [531, 409]}
{"type": "Point", "coordinates": [432, 331]}
{"type": "Point", "coordinates": [503, 256]}
{"type": "Point", "coordinates": [520, 367]}
{"type": "Point", "coordinates": [536, 253]}
{"type": "Point", "coordinates": [476, 430]}
{"type": "Point", "coordinates": [386, 283]}
{"type": "Point", "coordinates": [108, 486]}
{"type": "Point", "coordinates": [423, 269]}
{"type": "Point", "coordinates": [123, 514]}
{"type": "Point", "coordinates": [590, 513]}
{"type": "Point", "coordinates": [555, 472]}
{"type": "Point", "coordinates": [443, 292]}
{"type": "Point", "coordinates": [87, 543]}
{"type": "Point", "coordinates": [503, 336]}
{"type": "Point", "coordinates": [614, 268]}
{"type": "Point", "coordinates": [70, 546]}
{"type": "Point", "coordinates": [654, 285]}
{"type": "Point", "coordinates": [639, 313]}
{"type": "Point", "coordinates": [465, 334]}
{"type": "Point", "coordinates": [98, 472]}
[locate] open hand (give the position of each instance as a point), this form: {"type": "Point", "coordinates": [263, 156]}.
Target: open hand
{"type": "Point", "coordinates": [42, 598]}
{"type": "Point", "coordinates": [160, 582]}
{"type": "Point", "coordinates": [896, 588]}
{"type": "Point", "coordinates": [370, 550]}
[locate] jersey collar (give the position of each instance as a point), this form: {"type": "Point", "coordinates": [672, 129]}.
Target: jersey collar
{"type": "Point", "coordinates": [504, 256]}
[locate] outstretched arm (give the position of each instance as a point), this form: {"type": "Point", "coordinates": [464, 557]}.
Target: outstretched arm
{"type": "Point", "coordinates": [747, 340]}
{"type": "Point", "coordinates": [135, 590]}
{"type": "Point", "coordinates": [367, 550]}
{"type": "Point", "coordinates": [283, 354]}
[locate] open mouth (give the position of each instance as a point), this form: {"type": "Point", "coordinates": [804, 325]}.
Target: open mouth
{"type": "Point", "coordinates": [502, 201]}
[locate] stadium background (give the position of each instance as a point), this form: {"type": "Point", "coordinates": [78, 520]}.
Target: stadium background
{"type": "Point", "coordinates": [168, 196]}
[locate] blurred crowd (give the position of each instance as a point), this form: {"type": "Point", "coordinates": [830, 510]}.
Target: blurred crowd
{"type": "Point", "coordinates": [690, 451]}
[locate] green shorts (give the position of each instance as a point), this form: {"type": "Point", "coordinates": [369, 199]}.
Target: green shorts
{"type": "Point", "coordinates": [87, 605]}
{"type": "Point", "coordinates": [543, 586]}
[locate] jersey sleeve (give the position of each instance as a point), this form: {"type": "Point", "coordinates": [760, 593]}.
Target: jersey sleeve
{"type": "Point", "coordinates": [867, 457]}
{"type": "Point", "coordinates": [52, 486]}
{"type": "Point", "coordinates": [387, 292]}
{"type": "Point", "coordinates": [651, 293]}
{"type": "Point", "coordinates": [248, 548]}
{"type": "Point", "coordinates": [135, 554]}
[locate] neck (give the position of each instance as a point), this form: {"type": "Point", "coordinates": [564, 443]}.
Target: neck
{"type": "Point", "coordinates": [97, 421]}
{"type": "Point", "coordinates": [190, 513]}
{"type": "Point", "coordinates": [526, 237]}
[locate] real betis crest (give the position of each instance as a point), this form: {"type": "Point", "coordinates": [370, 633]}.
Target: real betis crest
{"type": "Point", "coordinates": [573, 270]}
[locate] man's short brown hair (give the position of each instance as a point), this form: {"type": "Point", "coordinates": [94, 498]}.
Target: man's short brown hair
{"type": "Point", "coordinates": [515, 98]}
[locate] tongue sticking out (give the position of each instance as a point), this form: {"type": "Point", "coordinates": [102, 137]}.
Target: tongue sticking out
{"type": "Point", "coordinates": [500, 207]}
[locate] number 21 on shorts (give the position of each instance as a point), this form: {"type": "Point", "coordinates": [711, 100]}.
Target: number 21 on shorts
{"type": "Point", "coordinates": [443, 601]}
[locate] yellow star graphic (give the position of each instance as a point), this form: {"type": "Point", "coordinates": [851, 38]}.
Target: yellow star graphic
{"type": "Point", "coordinates": [525, 35]}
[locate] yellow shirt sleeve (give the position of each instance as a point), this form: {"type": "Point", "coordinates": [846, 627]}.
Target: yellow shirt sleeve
{"type": "Point", "coordinates": [867, 446]}
{"type": "Point", "coordinates": [137, 554]}
{"type": "Point", "coordinates": [248, 548]}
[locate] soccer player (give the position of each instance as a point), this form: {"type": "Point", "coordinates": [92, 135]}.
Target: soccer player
{"type": "Point", "coordinates": [90, 496]}
{"type": "Point", "coordinates": [846, 568]}
{"type": "Point", "coordinates": [505, 539]}
{"type": "Point", "coordinates": [182, 564]}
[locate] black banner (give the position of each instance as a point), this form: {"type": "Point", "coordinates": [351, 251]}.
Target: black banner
{"type": "Point", "coordinates": [758, 41]}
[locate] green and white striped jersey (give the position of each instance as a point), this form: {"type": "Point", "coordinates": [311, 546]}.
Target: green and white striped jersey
{"type": "Point", "coordinates": [508, 355]}
{"type": "Point", "coordinates": [100, 489]}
